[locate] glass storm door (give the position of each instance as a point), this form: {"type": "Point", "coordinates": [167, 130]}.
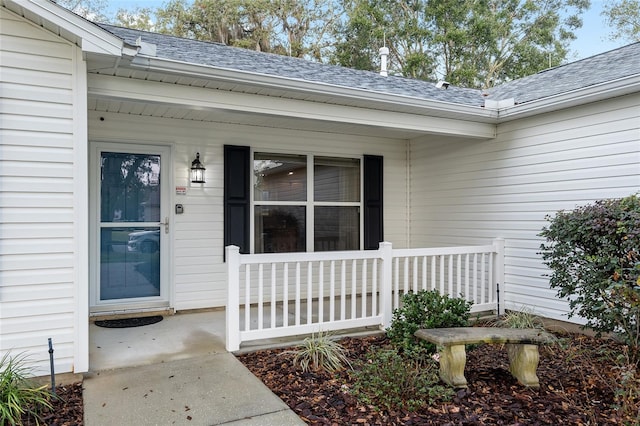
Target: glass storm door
{"type": "Point", "coordinates": [132, 226]}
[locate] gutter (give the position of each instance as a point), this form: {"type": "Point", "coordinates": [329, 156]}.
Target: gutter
{"type": "Point", "coordinates": [383, 100]}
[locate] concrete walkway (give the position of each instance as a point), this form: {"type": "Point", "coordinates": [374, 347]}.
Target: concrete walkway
{"type": "Point", "coordinates": [158, 375]}
{"type": "Point", "coordinates": [206, 390]}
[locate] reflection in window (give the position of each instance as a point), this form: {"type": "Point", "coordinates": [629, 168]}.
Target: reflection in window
{"type": "Point", "coordinates": [129, 187]}
{"type": "Point", "coordinates": [336, 228]}
{"type": "Point", "coordinates": [129, 263]}
{"type": "Point", "coordinates": [282, 205]}
{"type": "Point", "coordinates": [280, 229]}
{"type": "Point", "coordinates": [280, 177]}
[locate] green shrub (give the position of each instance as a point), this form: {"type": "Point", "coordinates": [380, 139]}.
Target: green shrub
{"type": "Point", "coordinates": [594, 254]}
{"type": "Point", "coordinates": [320, 352]}
{"type": "Point", "coordinates": [425, 309]}
{"type": "Point", "coordinates": [390, 381]}
{"type": "Point", "coordinates": [18, 396]}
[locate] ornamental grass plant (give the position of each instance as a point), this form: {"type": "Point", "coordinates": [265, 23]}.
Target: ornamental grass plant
{"type": "Point", "coordinates": [19, 397]}
{"type": "Point", "coordinates": [320, 352]}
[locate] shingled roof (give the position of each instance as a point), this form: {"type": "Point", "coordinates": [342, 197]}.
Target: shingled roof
{"type": "Point", "coordinates": [609, 66]}
{"type": "Point", "coordinates": [232, 58]}
{"type": "Point", "coordinates": [615, 64]}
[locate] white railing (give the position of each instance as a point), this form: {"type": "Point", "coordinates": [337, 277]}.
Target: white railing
{"type": "Point", "coordinates": [289, 294]}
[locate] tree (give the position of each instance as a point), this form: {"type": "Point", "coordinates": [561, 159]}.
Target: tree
{"type": "Point", "coordinates": [471, 43]}
{"type": "Point", "coordinates": [369, 24]}
{"type": "Point", "coordinates": [93, 10]}
{"type": "Point", "coordinates": [624, 17]}
{"type": "Point", "coordinates": [138, 18]}
{"type": "Point", "coordinates": [288, 27]}
{"type": "Point", "coordinates": [305, 28]}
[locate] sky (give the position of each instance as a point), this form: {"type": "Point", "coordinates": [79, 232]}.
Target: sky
{"type": "Point", "coordinates": [592, 38]}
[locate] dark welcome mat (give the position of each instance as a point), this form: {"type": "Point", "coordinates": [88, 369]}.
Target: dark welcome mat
{"type": "Point", "coordinates": [129, 322]}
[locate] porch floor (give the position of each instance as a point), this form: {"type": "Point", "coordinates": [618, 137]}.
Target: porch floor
{"type": "Point", "coordinates": [181, 336]}
{"type": "Point", "coordinates": [176, 337]}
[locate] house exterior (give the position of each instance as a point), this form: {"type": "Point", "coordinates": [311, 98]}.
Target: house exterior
{"type": "Point", "coordinates": [100, 125]}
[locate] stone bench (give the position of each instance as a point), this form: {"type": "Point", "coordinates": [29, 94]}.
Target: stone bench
{"type": "Point", "coordinates": [522, 347]}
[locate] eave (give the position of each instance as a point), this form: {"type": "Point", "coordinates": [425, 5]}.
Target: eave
{"type": "Point", "coordinates": [338, 94]}
{"type": "Point", "coordinates": [71, 27]}
{"type": "Point", "coordinates": [598, 92]}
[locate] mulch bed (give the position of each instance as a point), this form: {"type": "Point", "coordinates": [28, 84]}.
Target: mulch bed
{"type": "Point", "coordinates": [67, 408]}
{"type": "Point", "coordinates": [577, 388]}
{"type": "Point", "coordinates": [577, 381]}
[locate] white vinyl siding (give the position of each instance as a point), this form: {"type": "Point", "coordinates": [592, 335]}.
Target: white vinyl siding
{"type": "Point", "coordinates": [37, 247]}
{"type": "Point", "coordinates": [468, 192]}
{"type": "Point", "coordinates": [197, 236]}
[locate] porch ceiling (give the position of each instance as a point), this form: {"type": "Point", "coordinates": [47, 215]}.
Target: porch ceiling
{"type": "Point", "coordinates": [214, 115]}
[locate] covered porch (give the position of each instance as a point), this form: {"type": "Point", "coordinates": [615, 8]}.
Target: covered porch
{"type": "Point", "coordinates": [360, 290]}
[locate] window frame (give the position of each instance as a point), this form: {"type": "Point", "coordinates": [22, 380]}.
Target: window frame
{"type": "Point", "coordinates": [310, 202]}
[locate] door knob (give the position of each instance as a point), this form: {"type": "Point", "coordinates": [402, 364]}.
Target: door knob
{"type": "Point", "coordinates": [166, 225]}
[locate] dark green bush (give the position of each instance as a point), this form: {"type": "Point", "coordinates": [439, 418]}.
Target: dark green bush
{"type": "Point", "coordinates": [425, 309]}
{"type": "Point", "coordinates": [389, 381]}
{"type": "Point", "coordinates": [594, 253]}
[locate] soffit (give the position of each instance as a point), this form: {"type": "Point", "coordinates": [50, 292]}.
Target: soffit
{"type": "Point", "coordinates": [146, 109]}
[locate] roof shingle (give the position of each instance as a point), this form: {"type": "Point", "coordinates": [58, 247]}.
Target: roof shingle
{"type": "Point", "coordinates": [607, 66]}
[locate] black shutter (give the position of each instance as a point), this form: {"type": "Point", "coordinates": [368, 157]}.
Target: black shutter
{"type": "Point", "coordinates": [237, 205]}
{"type": "Point", "coordinates": [373, 228]}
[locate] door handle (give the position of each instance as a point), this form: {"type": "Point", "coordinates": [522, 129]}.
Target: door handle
{"type": "Point", "coordinates": [166, 225]}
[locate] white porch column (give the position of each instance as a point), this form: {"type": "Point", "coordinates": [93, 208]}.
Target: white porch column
{"type": "Point", "coordinates": [232, 311]}
{"type": "Point", "coordinates": [386, 290]}
{"type": "Point", "coordinates": [498, 268]}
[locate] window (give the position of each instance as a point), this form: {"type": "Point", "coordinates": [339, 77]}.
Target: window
{"type": "Point", "coordinates": [289, 203]}
{"type": "Point", "coordinates": [305, 202]}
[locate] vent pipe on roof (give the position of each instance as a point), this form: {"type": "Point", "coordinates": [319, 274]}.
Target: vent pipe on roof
{"type": "Point", "coordinates": [384, 53]}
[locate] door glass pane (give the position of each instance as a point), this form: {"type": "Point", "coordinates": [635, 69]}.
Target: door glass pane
{"type": "Point", "coordinates": [130, 187]}
{"type": "Point", "coordinates": [130, 252]}
{"type": "Point", "coordinates": [336, 179]}
{"type": "Point", "coordinates": [280, 177]}
{"type": "Point", "coordinates": [280, 229]}
{"type": "Point", "coordinates": [336, 228]}
{"type": "Point", "coordinates": [129, 262]}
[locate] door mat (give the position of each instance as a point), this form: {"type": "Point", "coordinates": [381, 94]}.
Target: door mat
{"type": "Point", "coordinates": [129, 322]}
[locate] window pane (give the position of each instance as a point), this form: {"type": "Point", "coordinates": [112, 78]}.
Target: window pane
{"type": "Point", "coordinates": [280, 229]}
{"type": "Point", "coordinates": [336, 179]}
{"type": "Point", "coordinates": [129, 263]}
{"type": "Point", "coordinates": [130, 187]}
{"type": "Point", "coordinates": [337, 228]}
{"type": "Point", "coordinates": [280, 177]}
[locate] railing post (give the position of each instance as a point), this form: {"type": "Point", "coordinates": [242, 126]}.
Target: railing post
{"type": "Point", "coordinates": [498, 268]}
{"type": "Point", "coordinates": [232, 310]}
{"type": "Point", "coordinates": [386, 291]}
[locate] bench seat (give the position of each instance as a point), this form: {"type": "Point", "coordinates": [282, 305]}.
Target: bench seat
{"type": "Point", "coordinates": [522, 347]}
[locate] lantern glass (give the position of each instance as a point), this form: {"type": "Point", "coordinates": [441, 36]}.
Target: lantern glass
{"type": "Point", "coordinates": [197, 170]}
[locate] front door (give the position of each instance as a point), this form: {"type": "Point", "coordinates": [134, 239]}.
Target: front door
{"type": "Point", "coordinates": [131, 227]}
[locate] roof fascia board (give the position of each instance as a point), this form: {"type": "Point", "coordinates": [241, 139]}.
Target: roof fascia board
{"type": "Point", "coordinates": [94, 39]}
{"type": "Point", "coordinates": [108, 87]}
{"type": "Point", "coordinates": [439, 108]}
{"type": "Point", "coordinates": [595, 93]}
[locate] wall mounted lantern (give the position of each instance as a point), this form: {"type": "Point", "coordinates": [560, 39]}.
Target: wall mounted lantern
{"type": "Point", "coordinates": [197, 170]}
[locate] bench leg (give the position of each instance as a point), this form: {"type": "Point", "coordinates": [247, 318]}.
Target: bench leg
{"type": "Point", "coordinates": [452, 361]}
{"type": "Point", "coordinates": [523, 360]}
